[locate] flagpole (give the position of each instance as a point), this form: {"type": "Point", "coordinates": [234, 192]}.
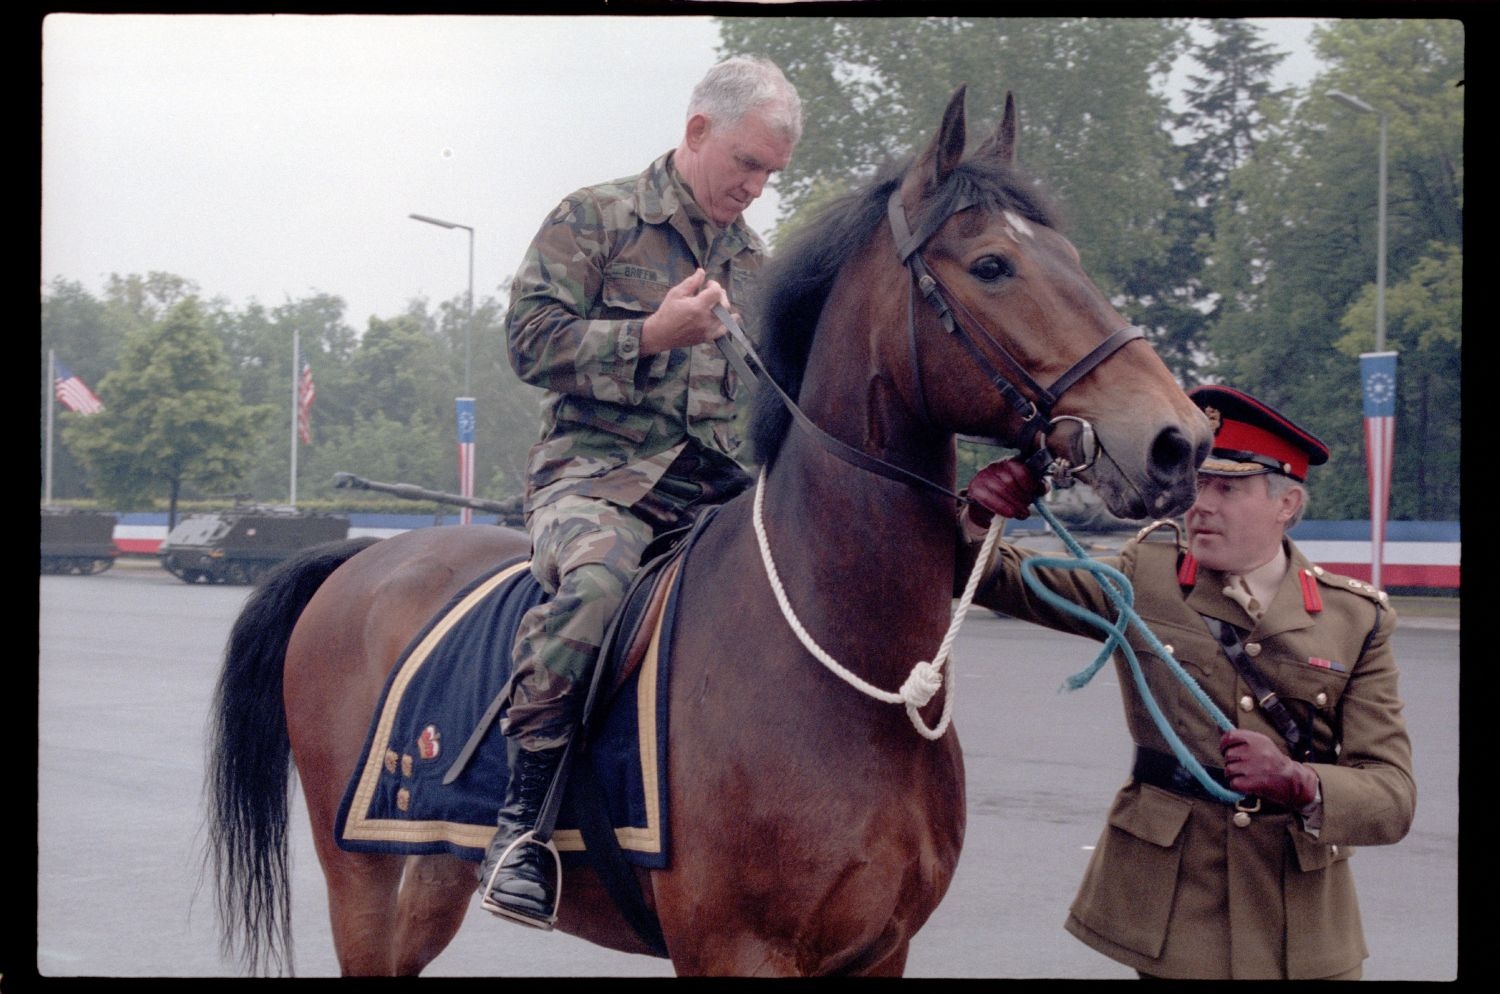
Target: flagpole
{"type": "Point", "coordinates": [48, 378]}
{"type": "Point", "coordinates": [296, 387]}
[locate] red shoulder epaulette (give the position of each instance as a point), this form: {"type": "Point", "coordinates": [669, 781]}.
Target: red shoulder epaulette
{"type": "Point", "coordinates": [1311, 599]}
{"type": "Point", "coordinates": [1187, 570]}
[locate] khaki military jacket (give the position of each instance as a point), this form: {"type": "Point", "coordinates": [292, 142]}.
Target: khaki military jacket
{"type": "Point", "coordinates": [1181, 887]}
{"type": "Point", "coordinates": [612, 419]}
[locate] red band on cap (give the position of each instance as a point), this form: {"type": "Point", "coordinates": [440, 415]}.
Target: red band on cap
{"type": "Point", "coordinates": [1237, 435]}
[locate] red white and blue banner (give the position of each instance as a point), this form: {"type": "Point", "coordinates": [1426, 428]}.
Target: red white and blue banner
{"type": "Point", "coordinates": [74, 394]}
{"type": "Point", "coordinates": [465, 413]}
{"type": "Point", "coordinates": [1377, 374]}
{"type": "Point", "coordinates": [1419, 555]}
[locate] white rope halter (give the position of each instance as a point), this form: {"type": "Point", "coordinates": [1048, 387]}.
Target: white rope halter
{"type": "Point", "coordinates": [926, 678]}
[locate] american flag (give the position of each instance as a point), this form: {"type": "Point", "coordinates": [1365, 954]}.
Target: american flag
{"type": "Point", "coordinates": [1377, 373]}
{"type": "Point", "coordinates": [73, 392]}
{"type": "Point", "coordinates": [305, 394]}
{"type": "Point", "coordinates": [465, 412]}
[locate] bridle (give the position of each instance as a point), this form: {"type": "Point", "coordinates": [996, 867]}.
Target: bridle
{"type": "Point", "coordinates": [1035, 412]}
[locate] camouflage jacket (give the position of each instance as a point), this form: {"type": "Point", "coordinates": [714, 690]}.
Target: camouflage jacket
{"type": "Point", "coordinates": [612, 419]}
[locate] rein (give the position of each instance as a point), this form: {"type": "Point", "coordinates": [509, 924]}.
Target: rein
{"type": "Point", "coordinates": [736, 337]}
{"type": "Point", "coordinates": [1119, 590]}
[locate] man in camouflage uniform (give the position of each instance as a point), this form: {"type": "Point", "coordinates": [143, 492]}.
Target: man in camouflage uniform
{"type": "Point", "coordinates": [611, 313]}
{"type": "Point", "coordinates": [1181, 884]}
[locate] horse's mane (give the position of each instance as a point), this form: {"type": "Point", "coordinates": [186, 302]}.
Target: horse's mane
{"type": "Point", "coordinates": [796, 283]}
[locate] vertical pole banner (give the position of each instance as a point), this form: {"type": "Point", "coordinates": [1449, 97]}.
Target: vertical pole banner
{"type": "Point", "coordinates": [465, 411]}
{"type": "Point", "coordinates": [1377, 374]}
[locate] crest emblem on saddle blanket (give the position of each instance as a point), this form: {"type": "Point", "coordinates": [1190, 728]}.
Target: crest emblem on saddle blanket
{"type": "Point", "coordinates": [429, 743]}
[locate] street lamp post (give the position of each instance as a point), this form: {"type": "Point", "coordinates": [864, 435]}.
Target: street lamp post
{"type": "Point", "coordinates": [465, 404]}
{"type": "Point", "coordinates": [1357, 104]}
{"type": "Point", "coordinates": [1377, 372]}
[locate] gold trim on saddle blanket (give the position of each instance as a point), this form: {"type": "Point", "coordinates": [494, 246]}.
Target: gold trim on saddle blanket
{"type": "Point", "coordinates": [633, 839]}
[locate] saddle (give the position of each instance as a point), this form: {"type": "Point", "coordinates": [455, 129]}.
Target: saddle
{"type": "Point", "coordinates": [635, 626]}
{"type": "Point", "coordinates": [412, 795]}
{"type": "Point", "coordinates": [625, 641]}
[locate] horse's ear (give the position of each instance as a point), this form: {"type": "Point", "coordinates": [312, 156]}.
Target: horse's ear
{"type": "Point", "coordinates": [945, 151]}
{"type": "Point", "coordinates": [1002, 144]}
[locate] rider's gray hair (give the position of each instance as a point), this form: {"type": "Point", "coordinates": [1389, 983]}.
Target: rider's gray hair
{"type": "Point", "coordinates": [1278, 484]}
{"type": "Point", "coordinates": [744, 83]}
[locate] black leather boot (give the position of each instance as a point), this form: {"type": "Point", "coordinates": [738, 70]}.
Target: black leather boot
{"type": "Point", "coordinates": [523, 889]}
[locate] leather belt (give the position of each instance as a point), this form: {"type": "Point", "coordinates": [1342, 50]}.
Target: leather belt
{"type": "Point", "coordinates": [1161, 769]}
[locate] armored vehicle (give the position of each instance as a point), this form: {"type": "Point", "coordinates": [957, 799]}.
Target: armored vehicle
{"type": "Point", "coordinates": [242, 544]}
{"type": "Point", "coordinates": [508, 511]}
{"type": "Point", "coordinates": [78, 542]}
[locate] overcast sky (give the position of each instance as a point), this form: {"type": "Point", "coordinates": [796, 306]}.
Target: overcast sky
{"type": "Point", "coordinates": [270, 157]}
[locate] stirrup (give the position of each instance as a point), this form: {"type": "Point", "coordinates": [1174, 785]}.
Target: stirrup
{"type": "Point", "coordinates": [503, 911]}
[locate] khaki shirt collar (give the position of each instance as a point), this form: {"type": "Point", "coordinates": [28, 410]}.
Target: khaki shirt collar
{"type": "Point", "coordinates": [1285, 613]}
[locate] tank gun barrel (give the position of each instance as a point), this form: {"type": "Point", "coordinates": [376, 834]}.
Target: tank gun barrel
{"type": "Point", "coordinates": [510, 508]}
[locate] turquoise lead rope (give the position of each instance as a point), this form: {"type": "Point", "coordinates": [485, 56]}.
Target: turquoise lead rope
{"type": "Point", "coordinates": [1119, 590]}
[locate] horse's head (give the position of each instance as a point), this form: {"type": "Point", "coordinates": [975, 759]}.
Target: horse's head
{"type": "Point", "coordinates": [1013, 340]}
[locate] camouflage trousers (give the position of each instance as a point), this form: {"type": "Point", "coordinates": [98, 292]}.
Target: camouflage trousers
{"type": "Point", "coordinates": [585, 550]}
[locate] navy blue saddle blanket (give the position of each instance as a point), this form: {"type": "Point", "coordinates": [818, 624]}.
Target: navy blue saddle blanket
{"type": "Point", "coordinates": [437, 694]}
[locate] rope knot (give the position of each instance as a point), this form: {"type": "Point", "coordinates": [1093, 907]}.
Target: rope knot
{"type": "Point", "coordinates": [925, 681]}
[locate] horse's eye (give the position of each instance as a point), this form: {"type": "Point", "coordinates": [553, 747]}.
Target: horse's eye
{"type": "Point", "coordinates": [990, 268]}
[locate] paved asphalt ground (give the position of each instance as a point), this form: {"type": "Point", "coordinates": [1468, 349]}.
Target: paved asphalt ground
{"type": "Point", "coordinates": [127, 663]}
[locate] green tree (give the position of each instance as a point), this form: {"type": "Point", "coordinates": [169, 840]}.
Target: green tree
{"type": "Point", "coordinates": [1227, 102]}
{"type": "Point", "coordinates": [172, 419]}
{"type": "Point", "coordinates": [382, 447]}
{"type": "Point", "coordinates": [259, 342]}
{"type": "Point", "coordinates": [1093, 127]}
{"type": "Point", "coordinates": [507, 411]}
{"type": "Point", "coordinates": [1294, 251]}
{"type": "Point", "coordinates": [1092, 117]}
{"type": "Point", "coordinates": [144, 299]}
{"type": "Point", "coordinates": [77, 326]}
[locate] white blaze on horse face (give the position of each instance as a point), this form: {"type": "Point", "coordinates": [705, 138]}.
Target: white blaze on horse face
{"type": "Point", "coordinates": [1018, 226]}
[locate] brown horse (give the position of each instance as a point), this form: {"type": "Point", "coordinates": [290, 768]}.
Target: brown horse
{"type": "Point", "coordinates": [813, 830]}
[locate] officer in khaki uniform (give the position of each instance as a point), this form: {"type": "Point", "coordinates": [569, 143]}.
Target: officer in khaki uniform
{"type": "Point", "coordinates": [612, 315]}
{"type": "Point", "coordinates": [1181, 884]}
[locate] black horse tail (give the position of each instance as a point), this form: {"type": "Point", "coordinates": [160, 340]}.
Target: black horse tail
{"type": "Point", "coordinates": [248, 773]}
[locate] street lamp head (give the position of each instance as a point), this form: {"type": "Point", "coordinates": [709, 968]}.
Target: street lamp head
{"type": "Point", "coordinates": [1352, 102]}
{"type": "Point", "coordinates": [439, 222]}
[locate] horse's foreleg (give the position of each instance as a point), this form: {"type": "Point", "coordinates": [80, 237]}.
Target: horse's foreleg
{"type": "Point", "coordinates": [435, 893]}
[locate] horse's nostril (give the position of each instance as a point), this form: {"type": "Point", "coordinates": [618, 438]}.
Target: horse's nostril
{"type": "Point", "coordinates": [1171, 453]}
